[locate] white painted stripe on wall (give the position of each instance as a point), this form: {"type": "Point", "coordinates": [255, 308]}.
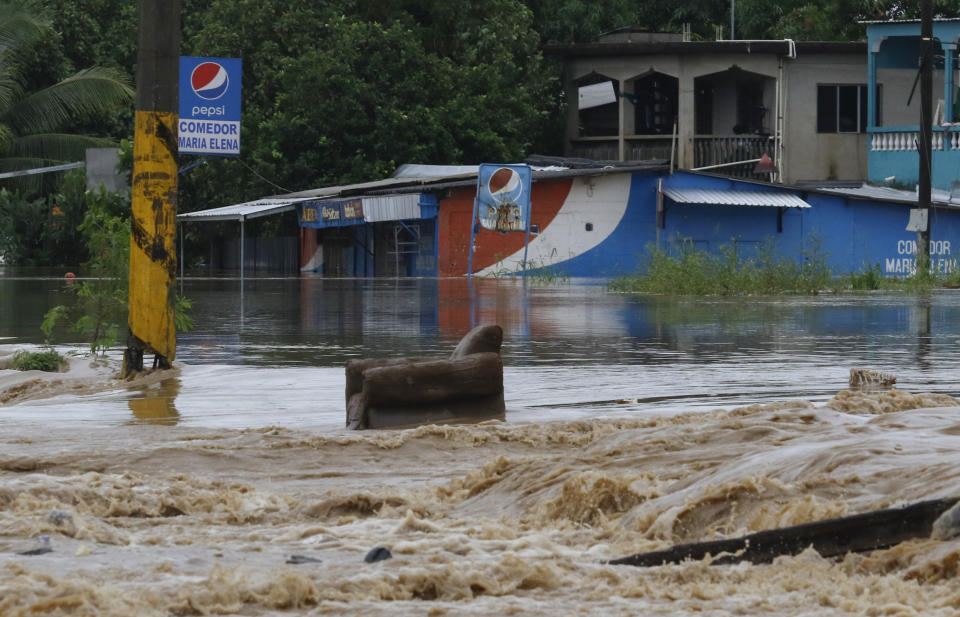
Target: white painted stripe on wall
{"type": "Point", "coordinates": [600, 200]}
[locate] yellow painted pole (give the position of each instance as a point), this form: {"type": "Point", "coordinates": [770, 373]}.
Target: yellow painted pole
{"type": "Point", "coordinates": [153, 257]}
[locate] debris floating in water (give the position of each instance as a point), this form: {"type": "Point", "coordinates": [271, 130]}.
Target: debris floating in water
{"type": "Point", "coordinates": [299, 559]}
{"type": "Point", "coordinates": [866, 378]}
{"type": "Point", "coordinates": [947, 526]}
{"type": "Point", "coordinates": [43, 547]}
{"type": "Point", "coordinates": [378, 553]}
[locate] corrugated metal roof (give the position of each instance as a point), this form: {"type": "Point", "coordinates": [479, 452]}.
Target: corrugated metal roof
{"type": "Point", "coordinates": [888, 193]}
{"type": "Point", "coordinates": [247, 210]}
{"type": "Point", "coordinates": [734, 198]}
{"type": "Point", "coordinates": [906, 21]}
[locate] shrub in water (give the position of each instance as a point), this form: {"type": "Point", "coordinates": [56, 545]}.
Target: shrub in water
{"type": "Point", "coordinates": [49, 361]}
{"type": "Point", "coordinates": [692, 271]}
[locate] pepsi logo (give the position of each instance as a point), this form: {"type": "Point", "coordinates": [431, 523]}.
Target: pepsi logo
{"type": "Point", "coordinates": [209, 81]}
{"type": "Point", "coordinates": [505, 185]}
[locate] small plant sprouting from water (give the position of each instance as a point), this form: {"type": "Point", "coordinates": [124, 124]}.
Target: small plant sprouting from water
{"type": "Point", "coordinates": [182, 320]}
{"type": "Point", "coordinates": [537, 270]}
{"type": "Point", "coordinates": [867, 278]}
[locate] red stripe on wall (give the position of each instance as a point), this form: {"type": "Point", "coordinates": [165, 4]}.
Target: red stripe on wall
{"type": "Point", "coordinates": [308, 245]}
{"type": "Point", "coordinates": [454, 219]}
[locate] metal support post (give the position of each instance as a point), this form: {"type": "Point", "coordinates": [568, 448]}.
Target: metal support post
{"type": "Point", "coordinates": [926, 132]}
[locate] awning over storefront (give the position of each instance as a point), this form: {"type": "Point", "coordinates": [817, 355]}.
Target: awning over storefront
{"type": "Point", "coordinates": [325, 213]}
{"type": "Point", "coordinates": [768, 199]}
{"type": "Point", "coordinates": [239, 212]}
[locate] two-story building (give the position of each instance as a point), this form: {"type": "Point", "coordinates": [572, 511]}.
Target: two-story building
{"type": "Point", "coordinates": [712, 103]}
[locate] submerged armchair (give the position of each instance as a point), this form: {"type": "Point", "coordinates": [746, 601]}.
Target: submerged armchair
{"type": "Point", "coordinates": [398, 392]}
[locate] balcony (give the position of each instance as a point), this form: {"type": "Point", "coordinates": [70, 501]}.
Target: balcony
{"type": "Point", "coordinates": [892, 67]}
{"type": "Point", "coordinates": [894, 159]}
{"type": "Point", "coordinates": [709, 150]}
{"type": "Point", "coordinates": [636, 148]}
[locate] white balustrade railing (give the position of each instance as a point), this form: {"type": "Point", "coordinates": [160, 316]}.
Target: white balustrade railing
{"type": "Point", "coordinates": [907, 140]}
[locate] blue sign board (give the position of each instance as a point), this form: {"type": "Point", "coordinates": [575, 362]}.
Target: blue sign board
{"type": "Point", "coordinates": [503, 197]}
{"type": "Point", "coordinates": [209, 106]}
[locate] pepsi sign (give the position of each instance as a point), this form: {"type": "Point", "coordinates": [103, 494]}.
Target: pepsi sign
{"type": "Point", "coordinates": [209, 106]}
{"type": "Point", "coordinates": [503, 197]}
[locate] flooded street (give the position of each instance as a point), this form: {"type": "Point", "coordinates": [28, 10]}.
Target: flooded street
{"type": "Point", "coordinates": [275, 355]}
{"type": "Point", "coordinates": [633, 424]}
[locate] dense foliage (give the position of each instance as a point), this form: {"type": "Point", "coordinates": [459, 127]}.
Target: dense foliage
{"type": "Point", "coordinates": [343, 93]}
{"type": "Point", "coordinates": [42, 98]}
{"type": "Point", "coordinates": [37, 231]}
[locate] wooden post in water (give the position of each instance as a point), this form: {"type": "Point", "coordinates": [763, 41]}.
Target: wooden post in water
{"type": "Point", "coordinates": [926, 133]}
{"type": "Point", "coordinates": [153, 258]}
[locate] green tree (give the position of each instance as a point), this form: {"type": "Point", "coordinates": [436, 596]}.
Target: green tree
{"type": "Point", "coordinates": [24, 226]}
{"type": "Point", "coordinates": [344, 92]}
{"type": "Point", "coordinates": [32, 118]}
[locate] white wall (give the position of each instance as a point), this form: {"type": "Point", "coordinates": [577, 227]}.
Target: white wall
{"type": "Point", "coordinates": [816, 156]}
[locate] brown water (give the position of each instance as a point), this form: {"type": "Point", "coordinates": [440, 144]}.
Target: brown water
{"type": "Point", "coordinates": [631, 426]}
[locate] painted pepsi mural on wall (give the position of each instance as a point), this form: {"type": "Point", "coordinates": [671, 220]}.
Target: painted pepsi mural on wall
{"type": "Point", "coordinates": [503, 197]}
{"type": "Point", "coordinates": [210, 106]}
{"type": "Point", "coordinates": [607, 224]}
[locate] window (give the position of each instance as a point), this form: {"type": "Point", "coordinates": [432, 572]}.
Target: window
{"type": "Point", "coordinates": [601, 120]}
{"type": "Point", "coordinates": [655, 104]}
{"type": "Point", "coordinates": [842, 109]}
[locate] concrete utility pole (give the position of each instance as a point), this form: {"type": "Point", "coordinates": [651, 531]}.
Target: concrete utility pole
{"type": "Point", "coordinates": [153, 256]}
{"type": "Point", "coordinates": [733, 21]}
{"type": "Point", "coordinates": [926, 131]}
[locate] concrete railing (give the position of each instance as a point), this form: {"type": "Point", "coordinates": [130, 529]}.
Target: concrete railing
{"type": "Point", "coordinates": [896, 140]}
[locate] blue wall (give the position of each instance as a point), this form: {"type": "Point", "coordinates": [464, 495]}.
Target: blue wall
{"type": "Point", "coordinates": [849, 233]}
{"type": "Point", "coordinates": [903, 165]}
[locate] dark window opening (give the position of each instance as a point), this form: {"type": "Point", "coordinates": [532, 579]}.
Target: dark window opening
{"type": "Point", "coordinates": [879, 105]}
{"type": "Point", "coordinates": [603, 120]}
{"type": "Point", "coordinates": [751, 113]}
{"type": "Point", "coordinates": [842, 109]}
{"type": "Point", "coordinates": [703, 110]}
{"type": "Point", "coordinates": [655, 104]}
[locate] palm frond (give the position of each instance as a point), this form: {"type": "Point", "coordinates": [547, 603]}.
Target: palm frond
{"type": "Point", "coordinates": [19, 22]}
{"type": "Point", "coordinates": [54, 148]}
{"type": "Point", "coordinates": [10, 89]}
{"type": "Point", "coordinates": [91, 91]}
{"type": "Point", "coordinates": [7, 137]}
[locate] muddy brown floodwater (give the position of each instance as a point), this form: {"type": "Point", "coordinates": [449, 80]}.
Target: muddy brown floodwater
{"type": "Point", "coordinates": [230, 487]}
